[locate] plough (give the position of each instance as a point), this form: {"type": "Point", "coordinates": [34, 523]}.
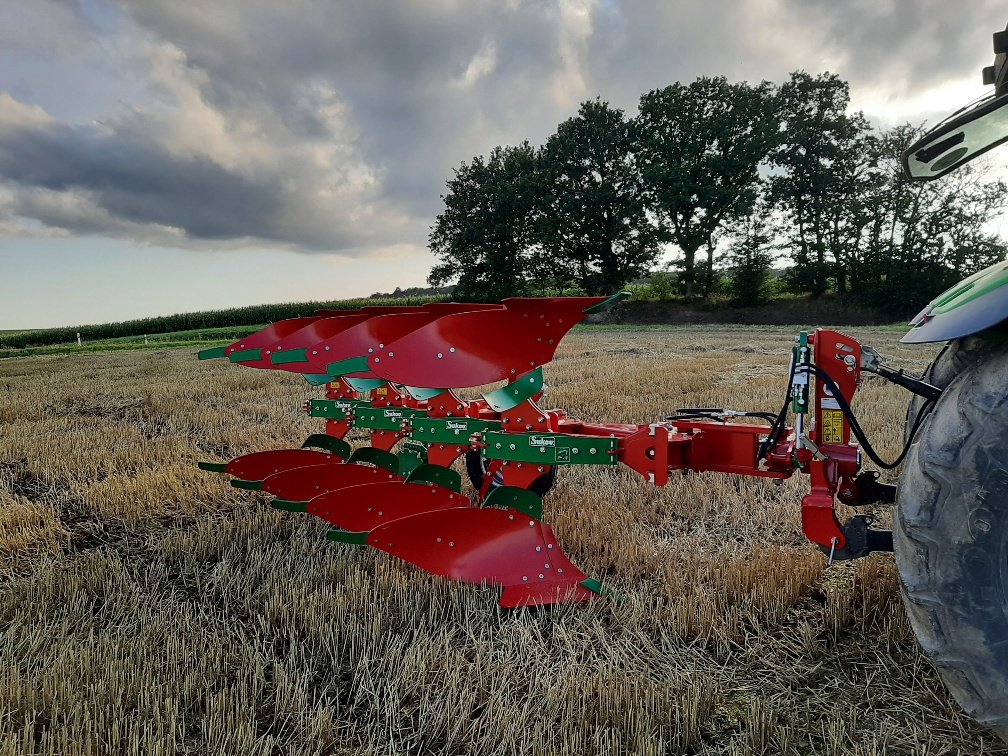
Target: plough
{"type": "Point", "coordinates": [394, 372]}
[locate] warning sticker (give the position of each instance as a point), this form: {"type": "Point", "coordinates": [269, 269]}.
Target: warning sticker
{"type": "Point", "coordinates": [832, 427]}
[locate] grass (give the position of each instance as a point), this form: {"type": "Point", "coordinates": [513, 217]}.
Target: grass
{"type": "Point", "coordinates": [147, 607]}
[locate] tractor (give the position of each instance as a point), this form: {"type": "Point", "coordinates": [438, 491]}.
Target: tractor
{"type": "Point", "coordinates": [395, 372]}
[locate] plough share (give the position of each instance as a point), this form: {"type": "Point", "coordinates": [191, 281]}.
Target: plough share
{"type": "Point", "coordinates": [393, 371]}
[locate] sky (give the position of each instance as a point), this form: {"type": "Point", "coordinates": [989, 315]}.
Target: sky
{"type": "Point", "coordinates": [162, 156]}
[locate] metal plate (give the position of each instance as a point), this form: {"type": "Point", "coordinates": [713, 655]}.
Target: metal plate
{"type": "Point", "coordinates": [306, 338]}
{"type": "Point", "coordinates": [551, 448]}
{"type": "Point", "coordinates": [478, 347]}
{"type": "Point", "coordinates": [264, 337]}
{"type": "Point", "coordinates": [360, 509]}
{"type": "Point", "coordinates": [366, 337]}
{"type": "Point", "coordinates": [305, 483]}
{"type": "Point", "coordinates": [498, 546]}
{"type": "Point", "coordinates": [261, 465]}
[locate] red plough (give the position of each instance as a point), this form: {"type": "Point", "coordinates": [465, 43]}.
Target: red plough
{"type": "Point", "coordinates": [392, 371]}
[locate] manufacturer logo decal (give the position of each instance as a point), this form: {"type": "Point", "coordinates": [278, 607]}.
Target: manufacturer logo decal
{"type": "Point", "coordinates": [542, 441]}
{"type": "Point", "coordinates": [393, 413]}
{"type": "Point", "coordinates": [456, 425]}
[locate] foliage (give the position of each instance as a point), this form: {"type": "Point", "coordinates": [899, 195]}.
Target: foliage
{"type": "Point", "coordinates": [594, 218]}
{"type": "Point", "coordinates": [820, 155]}
{"type": "Point", "coordinates": [701, 146]}
{"type": "Point", "coordinates": [750, 259]}
{"type": "Point", "coordinates": [484, 234]}
{"type": "Point", "coordinates": [703, 167]}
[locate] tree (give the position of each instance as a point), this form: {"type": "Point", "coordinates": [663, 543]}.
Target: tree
{"type": "Point", "coordinates": [594, 224]}
{"type": "Point", "coordinates": [486, 229]}
{"type": "Point", "coordinates": [821, 153]}
{"type": "Point", "coordinates": [922, 237]}
{"type": "Point", "coordinates": [750, 257]}
{"type": "Point", "coordinates": [700, 149]}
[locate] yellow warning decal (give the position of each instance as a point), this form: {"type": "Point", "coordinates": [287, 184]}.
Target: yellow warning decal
{"type": "Point", "coordinates": [381, 391]}
{"type": "Point", "coordinates": [832, 427]}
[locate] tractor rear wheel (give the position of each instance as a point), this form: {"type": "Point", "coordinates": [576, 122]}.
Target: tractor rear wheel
{"type": "Point", "coordinates": [951, 535]}
{"type": "Point", "coordinates": [952, 360]}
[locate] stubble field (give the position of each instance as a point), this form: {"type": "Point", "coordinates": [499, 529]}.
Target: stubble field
{"type": "Point", "coordinates": [147, 607]}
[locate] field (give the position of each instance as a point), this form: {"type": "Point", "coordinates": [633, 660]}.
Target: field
{"type": "Point", "coordinates": [149, 608]}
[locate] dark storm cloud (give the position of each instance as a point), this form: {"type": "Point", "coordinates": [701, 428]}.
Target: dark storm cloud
{"type": "Point", "coordinates": [334, 126]}
{"type": "Point", "coordinates": [138, 183]}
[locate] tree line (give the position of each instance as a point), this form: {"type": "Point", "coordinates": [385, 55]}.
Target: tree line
{"type": "Point", "coordinates": [732, 178]}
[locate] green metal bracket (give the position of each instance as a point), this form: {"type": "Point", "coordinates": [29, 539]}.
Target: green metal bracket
{"type": "Point", "coordinates": [550, 448]}
{"type": "Point", "coordinates": [510, 396]}
{"type": "Point", "coordinates": [510, 497]}
{"type": "Point", "coordinates": [450, 430]}
{"type": "Point", "coordinates": [363, 385]}
{"type": "Point", "coordinates": [440, 476]}
{"type": "Point", "coordinates": [291, 355]}
{"type": "Point", "coordinates": [411, 456]}
{"type": "Point", "coordinates": [619, 296]}
{"type": "Point", "coordinates": [217, 467]}
{"type": "Point", "coordinates": [246, 355]}
{"type": "Point", "coordinates": [423, 394]}
{"type": "Point", "coordinates": [316, 379]}
{"type": "Point", "coordinates": [384, 418]}
{"type": "Point", "coordinates": [337, 446]}
{"type": "Point", "coordinates": [377, 457]}
{"type": "Point", "coordinates": [335, 535]}
{"type": "Point", "coordinates": [248, 485]}
{"type": "Point", "coordinates": [336, 409]}
{"type": "Point", "coordinates": [595, 586]}
{"type": "Point", "coordinates": [345, 367]}
{"type": "Point", "coordinates": [212, 353]}
{"type": "Point", "coordinates": [289, 506]}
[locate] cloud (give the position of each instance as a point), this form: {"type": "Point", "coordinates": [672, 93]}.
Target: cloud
{"type": "Point", "coordinates": [333, 126]}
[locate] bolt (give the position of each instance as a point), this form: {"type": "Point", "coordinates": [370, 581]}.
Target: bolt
{"type": "Point", "coordinates": [440, 356]}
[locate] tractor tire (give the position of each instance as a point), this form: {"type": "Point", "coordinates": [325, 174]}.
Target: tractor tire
{"type": "Point", "coordinates": [476, 467]}
{"type": "Point", "coordinates": [954, 358]}
{"type": "Point", "coordinates": [951, 536]}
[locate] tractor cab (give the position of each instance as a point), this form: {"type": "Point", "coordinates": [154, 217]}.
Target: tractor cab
{"type": "Point", "coordinates": [981, 301]}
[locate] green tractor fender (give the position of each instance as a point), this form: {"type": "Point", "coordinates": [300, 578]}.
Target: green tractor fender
{"type": "Point", "coordinates": [971, 306]}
